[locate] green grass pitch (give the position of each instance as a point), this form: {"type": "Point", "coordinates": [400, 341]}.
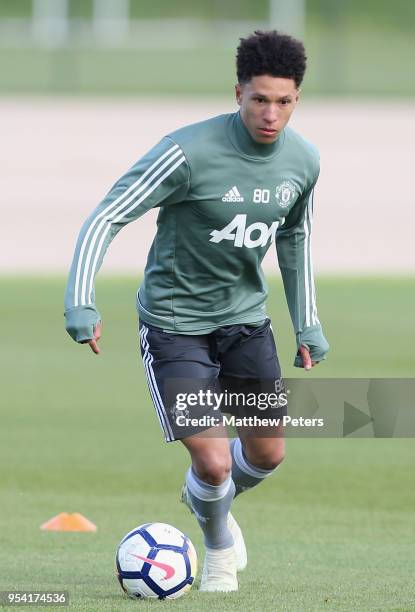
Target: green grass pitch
{"type": "Point", "coordinates": [333, 529]}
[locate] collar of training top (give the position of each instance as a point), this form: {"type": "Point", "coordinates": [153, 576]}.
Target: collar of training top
{"type": "Point", "coordinates": [245, 144]}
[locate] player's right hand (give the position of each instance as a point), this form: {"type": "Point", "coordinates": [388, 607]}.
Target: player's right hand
{"type": "Point", "coordinates": [93, 343]}
{"type": "Point", "coordinates": [83, 324]}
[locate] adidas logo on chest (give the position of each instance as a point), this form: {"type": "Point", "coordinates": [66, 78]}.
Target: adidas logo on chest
{"type": "Point", "coordinates": [232, 195]}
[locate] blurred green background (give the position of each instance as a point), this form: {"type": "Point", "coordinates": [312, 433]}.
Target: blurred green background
{"type": "Point", "coordinates": [187, 46]}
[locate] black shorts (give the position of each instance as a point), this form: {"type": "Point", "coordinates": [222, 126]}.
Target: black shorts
{"type": "Point", "coordinates": [186, 375]}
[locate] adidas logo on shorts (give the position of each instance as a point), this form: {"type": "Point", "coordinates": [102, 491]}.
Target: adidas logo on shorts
{"type": "Point", "coordinates": [232, 195]}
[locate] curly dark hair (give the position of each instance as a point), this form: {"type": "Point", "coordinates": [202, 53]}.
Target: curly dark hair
{"type": "Point", "coordinates": [273, 53]}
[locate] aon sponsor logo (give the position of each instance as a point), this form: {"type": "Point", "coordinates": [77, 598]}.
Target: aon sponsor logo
{"type": "Point", "coordinates": [255, 235]}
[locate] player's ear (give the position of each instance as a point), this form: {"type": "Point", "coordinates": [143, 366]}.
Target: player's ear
{"type": "Point", "coordinates": [297, 96]}
{"type": "Point", "coordinates": [238, 92]}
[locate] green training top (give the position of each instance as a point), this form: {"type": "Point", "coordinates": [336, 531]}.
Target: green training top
{"type": "Point", "coordinates": [224, 199]}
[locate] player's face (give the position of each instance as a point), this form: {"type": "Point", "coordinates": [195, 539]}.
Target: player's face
{"type": "Point", "coordinates": [266, 103]}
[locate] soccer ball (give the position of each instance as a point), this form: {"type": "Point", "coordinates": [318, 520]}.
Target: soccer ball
{"type": "Point", "coordinates": [156, 560]}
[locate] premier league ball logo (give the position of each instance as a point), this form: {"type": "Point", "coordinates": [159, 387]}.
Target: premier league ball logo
{"type": "Point", "coordinates": [285, 193]}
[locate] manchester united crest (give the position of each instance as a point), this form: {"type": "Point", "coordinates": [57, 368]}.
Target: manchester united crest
{"type": "Point", "coordinates": [285, 193]}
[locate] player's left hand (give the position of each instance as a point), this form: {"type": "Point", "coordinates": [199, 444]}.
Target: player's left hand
{"type": "Point", "coordinates": [306, 359]}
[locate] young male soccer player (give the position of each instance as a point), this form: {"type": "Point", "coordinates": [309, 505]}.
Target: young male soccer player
{"type": "Point", "coordinates": [226, 188]}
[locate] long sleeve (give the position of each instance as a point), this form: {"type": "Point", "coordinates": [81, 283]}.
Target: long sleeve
{"type": "Point", "coordinates": [159, 178]}
{"type": "Point", "coordinates": [293, 243]}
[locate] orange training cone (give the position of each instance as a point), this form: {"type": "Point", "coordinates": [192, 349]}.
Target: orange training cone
{"type": "Point", "coordinates": [68, 522]}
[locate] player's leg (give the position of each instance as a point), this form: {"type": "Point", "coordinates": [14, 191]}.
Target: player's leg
{"type": "Point", "coordinates": [256, 454]}
{"type": "Point", "coordinates": [176, 363]}
{"type": "Point", "coordinates": [209, 492]}
{"type": "Point", "coordinates": [214, 461]}
{"type": "Point", "coordinates": [210, 488]}
{"type": "Point", "coordinates": [250, 366]}
{"type": "Point", "coordinates": [263, 447]}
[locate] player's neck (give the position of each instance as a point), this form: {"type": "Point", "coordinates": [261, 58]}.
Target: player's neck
{"type": "Point", "coordinates": [247, 145]}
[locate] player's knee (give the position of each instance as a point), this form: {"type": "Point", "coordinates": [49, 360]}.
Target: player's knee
{"type": "Point", "coordinates": [274, 460]}
{"type": "Point", "coordinates": [214, 470]}
{"type": "Point", "coordinates": [268, 459]}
